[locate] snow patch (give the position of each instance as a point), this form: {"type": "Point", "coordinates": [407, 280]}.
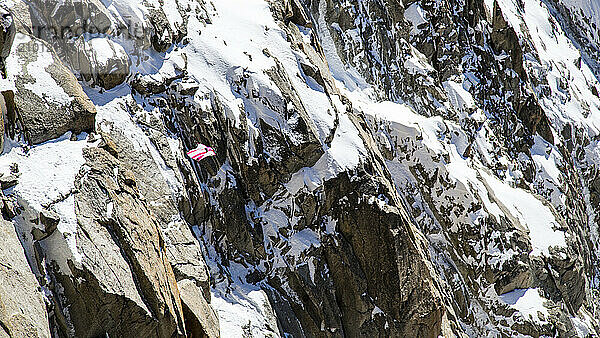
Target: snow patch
{"type": "Point", "coordinates": [43, 84]}
{"type": "Point", "coordinates": [528, 302]}
{"type": "Point", "coordinates": [458, 96]}
{"type": "Point", "coordinates": [415, 15]}
{"type": "Point", "coordinates": [531, 212]}
{"type": "Point", "coordinates": [46, 180]}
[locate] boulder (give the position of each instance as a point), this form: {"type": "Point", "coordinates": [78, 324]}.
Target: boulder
{"type": "Point", "coordinates": [50, 100]}
{"type": "Point", "coordinates": [145, 85]}
{"type": "Point", "coordinates": [200, 319]}
{"type": "Point", "coordinates": [100, 61]}
{"type": "Point", "coordinates": [8, 181]}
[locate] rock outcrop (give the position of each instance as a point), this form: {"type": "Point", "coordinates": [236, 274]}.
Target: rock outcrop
{"type": "Point", "coordinates": [7, 35]}
{"type": "Point", "coordinates": [43, 115]}
{"type": "Point", "coordinates": [117, 230]}
{"type": "Point", "coordinates": [101, 61]}
{"type": "Point", "coordinates": [22, 308]}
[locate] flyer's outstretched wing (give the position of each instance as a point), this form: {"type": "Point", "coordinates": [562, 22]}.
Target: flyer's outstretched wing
{"type": "Point", "coordinates": [200, 152]}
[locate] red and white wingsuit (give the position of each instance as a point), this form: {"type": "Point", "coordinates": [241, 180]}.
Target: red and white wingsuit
{"type": "Point", "coordinates": [200, 152]}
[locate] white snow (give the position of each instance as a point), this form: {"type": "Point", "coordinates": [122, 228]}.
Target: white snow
{"type": "Point", "coordinates": [43, 85]}
{"type": "Point", "coordinates": [243, 312]}
{"type": "Point", "coordinates": [112, 115]}
{"type": "Point", "coordinates": [458, 96]}
{"type": "Point", "coordinates": [345, 153]}
{"type": "Point", "coordinates": [528, 302]}
{"type": "Point", "coordinates": [47, 171]}
{"type": "Point", "coordinates": [350, 77]}
{"type": "Point", "coordinates": [580, 327]}
{"type": "Point", "coordinates": [46, 179]}
{"type": "Point", "coordinates": [243, 309]}
{"type": "Point", "coordinates": [546, 158]}
{"type": "Point", "coordinates": [417, 64]}
{"type": "Point", "coordinates": [104, 50]}
{"type": "Point", "coordinates": [415, 15]}
{"type": "Point", "coordinates": [220, 53]}
{"type": "Point", "coordinates": [303, 240]}
{"type": "Point", "coordinates": [531, 212]}
{"type": "Point", "coordinates": [129, 13]}
{"type": "Point", "coordinates": [406, 121]}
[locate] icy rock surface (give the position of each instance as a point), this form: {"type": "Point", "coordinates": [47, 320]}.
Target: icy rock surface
{"type": "Point", "coordinates": [384, 168]}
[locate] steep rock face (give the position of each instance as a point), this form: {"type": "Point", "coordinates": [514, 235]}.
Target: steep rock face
{"type": "Point", "coordinates": [134, 250]}
{"type": "Point", "coordinates": [161, 188]}
{"type": "Point", "coordinates": [383, 168]}
{"type": "Point", "coordinates": [22, 308]}
{"type": "Point", "coordinates": [454, 37]}
{"type": "Point", "coordinates": [295, 142]}
{"type": "Point", "coordinates": [380, 236]}
{"type": "Point", "coordinates": [110, 210]}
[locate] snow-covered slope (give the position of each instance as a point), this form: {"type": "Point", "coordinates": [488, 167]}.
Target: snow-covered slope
{"type": "Point", "coordinates": [383, 168]}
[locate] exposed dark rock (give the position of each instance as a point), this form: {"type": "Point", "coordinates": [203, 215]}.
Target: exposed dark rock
{"type": "Point", "coordinates": [162, 36]}
{"type": "Point", "coordinates": [8, 181]}
{"type": "Point", "coordinates": [7, 35]}
{"type": "Point", "coordinates": [535, 119]}
{"type": "Point", "coordinates": [380, 237]}
{"type": "Point", "coordinates": [8, 119]}
{"type": "Point", "coordinates": [504, 38]}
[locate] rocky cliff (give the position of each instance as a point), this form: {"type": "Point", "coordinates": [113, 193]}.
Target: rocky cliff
{"type": "Point", "coordinates": [390, 168]}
